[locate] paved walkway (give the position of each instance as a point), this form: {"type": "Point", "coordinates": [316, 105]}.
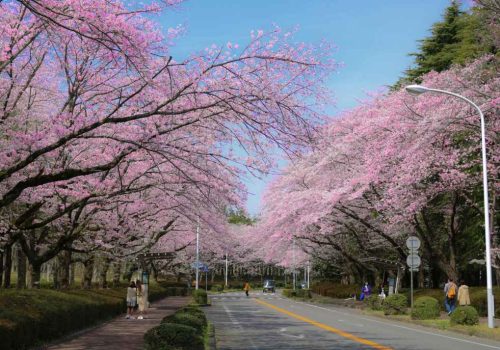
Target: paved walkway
{"type": "Point", "coordinates": [121, 333]}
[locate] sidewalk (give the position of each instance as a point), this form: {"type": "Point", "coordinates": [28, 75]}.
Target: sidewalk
{"type": "Point", "coordinates": [121, 333]}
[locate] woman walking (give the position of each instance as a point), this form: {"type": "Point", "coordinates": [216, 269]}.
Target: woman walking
{"type": "Point", "coordinates": [131, 299]}
{"type": "Point", "coordinates": [140, 299]}
{"type": "Point", "coordinates": [463, 294]}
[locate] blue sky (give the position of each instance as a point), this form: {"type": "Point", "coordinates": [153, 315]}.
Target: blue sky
{"type": "Point", "coordinates": [373, 38]}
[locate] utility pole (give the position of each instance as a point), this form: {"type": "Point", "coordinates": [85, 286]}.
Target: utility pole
{"type": "Point", "coordinates": [225, 277]}
{"type": "Point", "coordinates": [293, 271]}
{"type": "Point", "coordinates": [197, 252]}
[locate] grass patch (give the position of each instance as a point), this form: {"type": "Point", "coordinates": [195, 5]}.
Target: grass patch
{"type": "Point", "coordinates": [207, 336]}
{"type": "Point", "coordinates": [480, 330]}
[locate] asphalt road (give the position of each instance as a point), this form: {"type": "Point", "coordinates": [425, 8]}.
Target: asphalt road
{"type": "Point", "coordinates": [269, 321]}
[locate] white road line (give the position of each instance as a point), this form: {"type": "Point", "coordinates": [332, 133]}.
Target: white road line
{"type": "Point", "coordinates": [283, 330]}
{"type": "Point", "coordinates": [236, 323]}
{"type": "Point", "coordinates": [351, 323]}
{"type": "Point", "coordinates": [408, 328]}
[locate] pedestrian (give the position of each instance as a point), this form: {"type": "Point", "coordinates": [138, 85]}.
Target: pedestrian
{"type": "Point", "coordinates": [381, 292]}
{"type": "Point", "coordinates": [131, 299]}
{"type": "Point", "coordinates": [246, 288]}
{"type": "Point", "coordinates": [463, 294]}
{"type": "Point", "coordinates": [141, 302]}
{"type": "Point", "coordinates": [365, 291]}
{"type": "Point", "coordinates": [450, 294]}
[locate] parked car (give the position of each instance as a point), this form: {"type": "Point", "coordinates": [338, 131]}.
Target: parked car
{"type": "Point", "coordinates": [269, 286]}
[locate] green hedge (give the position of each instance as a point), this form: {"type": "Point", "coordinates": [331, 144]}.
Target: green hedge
{"type": "Point", "coordinates": [32, 317]}
{"type": "Point", "coordinates": [336, 290]}
{"type": "Point", "coordinates": [299, 293]}
{"type": "Point", "coordinates": [289, 293]}
{"type": "Point", "coordinates": [182, 330]}
{"type": "Point", "coordinates": [425, 308]}
{"type": "Point", "coordinates": [304, 293]}
{"type": "Point", "coordinates": [200, 297]}
{"type": "Point", "coordinates": [395, 304]}
{"type": "Point", "coordinates": [374, 302]}
{"type": "Point", "coordinates": [217, 287]}
{"type": "Point", "coordinates": [173, 336]}
{"type": "Point", "coordinates": [466, 315]}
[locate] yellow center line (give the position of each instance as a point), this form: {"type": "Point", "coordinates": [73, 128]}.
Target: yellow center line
{"type": "Point", "coordinates": [326, 327]}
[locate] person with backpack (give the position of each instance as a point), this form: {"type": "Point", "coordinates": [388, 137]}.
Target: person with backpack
{"type": "Point", "coordinates": [246, 288]}
{"type": "Point", "coordinates": [450, 294]}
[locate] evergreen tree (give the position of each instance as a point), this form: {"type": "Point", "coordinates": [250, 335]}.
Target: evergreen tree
{"type": "Point", "coordinates": [459, 38]}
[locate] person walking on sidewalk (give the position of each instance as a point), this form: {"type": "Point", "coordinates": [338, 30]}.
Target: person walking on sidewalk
{"type": "Point", "coordinates": [246, 288]}
{"type": "Point", "coordinates": [463, 294]}
{"type": "Point", "coordinates": [450, 294]}
{"type": "Point", "coordinates": [131, 299]}
{"type": "Point", "coordinates": [141, 300]}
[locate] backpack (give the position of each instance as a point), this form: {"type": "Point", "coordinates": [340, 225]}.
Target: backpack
{"type": "Point", "coordinates": [452, 291]}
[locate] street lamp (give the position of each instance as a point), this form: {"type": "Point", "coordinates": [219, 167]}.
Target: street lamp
{"type": "Point", "coordinates": [417, 90]}
{"type": "Point", "coordinates": [197, 252]}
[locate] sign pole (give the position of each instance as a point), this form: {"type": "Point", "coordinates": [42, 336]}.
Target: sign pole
{"type": "Point", "coordinates": [411, 287]}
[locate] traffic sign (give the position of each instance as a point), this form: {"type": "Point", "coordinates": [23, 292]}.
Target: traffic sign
{"type": "Point", "coordinates": [201, 266]}
{"type": "Point", "coordinates": [413, 261]}
{"type": "Point", "coordinates": [413, 243]}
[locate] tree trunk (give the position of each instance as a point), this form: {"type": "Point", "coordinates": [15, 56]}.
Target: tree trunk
{"type": "Point", "coordinates": [117, 269]}
{"type": "Point", "coordinates": [64, 267]}
{"type": "Point", "coordinates": [72, 272]}
{"type": "Point", "coordinates": [1, 269]}
{"type": "Point", "coordinates": [421, 278]}
{"type": "Point", "coordinates": [103, 283]}
{"type": "Point", "coordinates": [88, 271]}
{"type": "Point", "coordinates": [8, 266]}
{"type": "Point", "coordinates": [36, 271]}
{"type": "Point", "coordinates": [56, 266]}
{"type": "Point", "coordinates": [21, 269]}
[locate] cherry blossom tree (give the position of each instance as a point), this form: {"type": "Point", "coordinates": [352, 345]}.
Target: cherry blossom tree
{"type": "Point", "coordinates": [99, 124]}
{"type": "Point", "coordinates": [394, 166]}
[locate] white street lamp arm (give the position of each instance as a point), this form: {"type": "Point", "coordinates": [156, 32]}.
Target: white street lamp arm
{"type": "Point", "coordinates": [419, 89]}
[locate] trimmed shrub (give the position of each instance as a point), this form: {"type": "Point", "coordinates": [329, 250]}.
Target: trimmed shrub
{"type": "Point", "coordinates": [303, 293]}
{"type": "Point", "coordinates": [193, 309]}
{"type": "Point", "coordinates": [29, 317]}
{"type": "Point", "coordinates": [200, 297]}
{"type": "Point", "coordinates": [176, 291]}
{"type": "Point", "coordinates": [465, 315]}
{"type": "Point", "coordinates": [395, 304]}
{"type": "Point", "coordinates": [336, 290]}
{"type": "Point", "coordinates": [190, 315]}
{"type": "Point", "coordinates": [218, 287]}
{"type": "Point", "coordinates": [425, 308]}
{"type": "Point", "coordinates": [374, 302]}
{"type": "Point", "coordinates": [170, 336]}
{"type": "Point", "coordinates": [289, 293]}
{"type": "Point", "coordinates": [187, 319]}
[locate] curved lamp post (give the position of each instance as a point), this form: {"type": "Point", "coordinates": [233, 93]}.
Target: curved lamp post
{"type": "Point", "coordinates": [417, 90]}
